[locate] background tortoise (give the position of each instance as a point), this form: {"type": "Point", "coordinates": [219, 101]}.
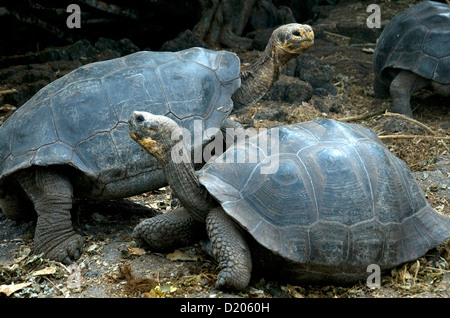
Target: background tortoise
{"type": "Point", "coordinates": [336, 201]}
{"type": "Point", "coordinates": [413, 52]}
{"type": "Point", "coordinates": [71, 138]}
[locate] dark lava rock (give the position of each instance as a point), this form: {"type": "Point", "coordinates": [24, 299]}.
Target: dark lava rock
{"type": "Point", "coordinates": [184, 40]}
{"type": "Point", "coordinates": [325, 105]}
{"type": "Point", "coordinates": [260, 38]}
{"type": "Point", "coordinates": [393, 126]}
{"type": "Point", "coordinates": [274, 112]}
{"type": "Point", "coordinates": [290, 90]}
{"type": "Point", "coordinates": [309, 69]}
{"type": "Point", "coordinates": [30, 72]}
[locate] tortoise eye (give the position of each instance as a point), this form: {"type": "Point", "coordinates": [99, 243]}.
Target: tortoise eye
{"type": "Point", "coordinates": [296, 33]}
{"type": "Point", "coordinates": [140, 119]}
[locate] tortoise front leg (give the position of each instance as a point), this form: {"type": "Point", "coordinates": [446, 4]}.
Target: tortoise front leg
{"type": "Point", "coordinates": [170, 230]}
{"type": "Point", "coordinates": [52, 196]}
{"type": "Point", "coordinates": [230, 249]}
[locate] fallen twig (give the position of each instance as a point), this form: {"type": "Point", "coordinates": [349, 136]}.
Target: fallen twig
{"type": "Point", "coordinates": [363, 116]}
{"type": "Point", "coordinates": [7, 108]}
{"type": "Point", "coordinates": [363, 44]}
{"type": "Point", "coordinates": [337, 35]}
{"type": "Point", "coordinates": [8, 91]}
{"type": "Point", "coordinates": [434, 165]}
{"type": "Point", "coordinates": [413, 136]}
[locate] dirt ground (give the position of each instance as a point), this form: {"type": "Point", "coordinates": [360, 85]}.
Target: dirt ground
{"type": "Point", "coordinates": [112, 266]}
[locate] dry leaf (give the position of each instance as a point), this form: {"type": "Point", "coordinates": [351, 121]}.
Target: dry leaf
{"type": "Point", "coordinates": [153, 294]}
{"type": "Point", "coordinates": [10, 289]}
{"type": "Point", "coordinates": [295, 291]}
{"type": "Point", "coordinates": [136, 251]}
{"type": "Point", "coordinates": [166, 288]}
{"type": "Point", "coordinates": [178, 255]}
{"type": "Point", "coordinates": [92, 248]}
{"type": "Point", "coordinates": [24, 254]}
{"type": "Point", "coordinates": [45, 271]}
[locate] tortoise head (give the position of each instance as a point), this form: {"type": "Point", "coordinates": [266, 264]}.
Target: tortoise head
{"type": "Point", "coordinates": [292, 39]}
{"type": "Point", "coordinates": [156, 134]}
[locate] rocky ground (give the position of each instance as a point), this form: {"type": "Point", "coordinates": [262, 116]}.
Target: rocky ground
{"type": "Point", "coordinates": [333, 80]}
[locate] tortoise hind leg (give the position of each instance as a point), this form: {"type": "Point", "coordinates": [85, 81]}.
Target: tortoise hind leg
{"type": "Point", "coordinates": [52, 196]}
{"type": "Point", "coordinates": [230, 249]}
{"type": "Point", "coordinates": [170, 230]}
{"type": "Point", "coordinates": [401, 89]}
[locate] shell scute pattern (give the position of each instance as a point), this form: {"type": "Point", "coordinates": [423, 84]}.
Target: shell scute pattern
{"type": "Point", "coordinates": [80, 119]}
{"type": "Point", "coordinates": [338, 196]}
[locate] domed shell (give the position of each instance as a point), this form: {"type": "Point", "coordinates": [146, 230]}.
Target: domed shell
{"type": "Point", "coordinates": [325, 193]}
{"type": "Point", "coordinates": [418, 40]}
{"type": "Point", "coordinates": [81, 119]}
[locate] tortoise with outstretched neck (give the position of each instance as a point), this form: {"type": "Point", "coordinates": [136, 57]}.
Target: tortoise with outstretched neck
{"type": "Point", "coordinates": [412, 53]}
{"type": "Point", "coordinates": [71, 138]}
{"type": "Point", "coordinates": [319, 202]}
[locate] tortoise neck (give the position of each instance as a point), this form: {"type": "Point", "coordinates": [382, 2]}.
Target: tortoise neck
{"type": "Point", "coordinates": [180, 174]}
{"type": "Point", "coordinates": [259, 78]}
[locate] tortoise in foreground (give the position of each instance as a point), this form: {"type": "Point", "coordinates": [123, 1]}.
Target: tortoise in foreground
{"type": "Point", "coordinates": [71, 138]}
{"type": "Point", "coordinates": [412, 53]}
{"type": "Point", "coordinates": [321, 203]}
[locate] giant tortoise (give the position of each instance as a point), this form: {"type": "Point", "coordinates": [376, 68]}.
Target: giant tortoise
{"type": "Point", "coordinates": [318, 201]}
{"type": "Point", "coordinates": [71, 138]}
{"type": "Point", "coordinates": [412, 53]}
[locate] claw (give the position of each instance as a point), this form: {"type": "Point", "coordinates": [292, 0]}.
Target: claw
{"type": "Point", "coordinates": [67, 260]}
{"type": "Point", "coordinates": [76, 255]}
{"type": "Point", "coordinates": [137, 238]}
{"type": "Point", "coordinates": [220, 281]}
